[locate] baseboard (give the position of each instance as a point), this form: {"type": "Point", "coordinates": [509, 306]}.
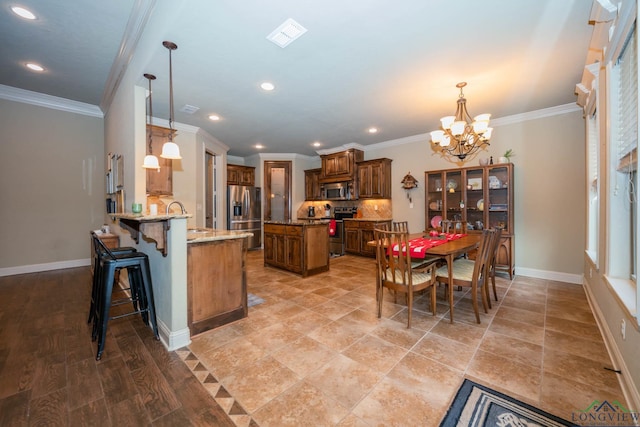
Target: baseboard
{"type": "Point", "coordinates": [626, 382]}
{"type": "Point", "coordinates": [173, 340]}
{"type": "Point", "coordinates": [36, 268]}
{"type": "Point", "coordinates": [549, 275]}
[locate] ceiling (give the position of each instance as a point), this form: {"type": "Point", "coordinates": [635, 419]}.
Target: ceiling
{"type": "Point", "coordinates": [362, 63]}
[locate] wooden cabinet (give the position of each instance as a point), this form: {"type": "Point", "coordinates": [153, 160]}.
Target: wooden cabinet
{"type": "Point", "coordinates": [159, 182]}
{"type": "Point", "coordinates": [216, 283]}
{"type": "Point", "coordinates": [357, 233]}
{"type": "Point", "coordinates": [300, 248]}
{"type": "Point", "coordinates": [312, 189]}
{"type": "Point", "coordinates": [374, 179]}
{"type": "Point", "coordinates": [481, 197]}
{"type": "Point", "coordinates": [241, 175]}
{"type": "Point", "coordinates": [340, 166]}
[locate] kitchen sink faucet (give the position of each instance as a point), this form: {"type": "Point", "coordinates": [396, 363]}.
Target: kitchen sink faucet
{"type": "Point", "coordinates": [184, 211]}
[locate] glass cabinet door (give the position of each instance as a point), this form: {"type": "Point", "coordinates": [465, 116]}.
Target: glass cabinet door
{"type": "Point", "coordinates": [434, 202]}
{"type": "Point", "coordinates": [454, 201]}
{"type": "Point", "coordinates": [498, 194]}
{"type": "Point", "coordinates": [475, 199]}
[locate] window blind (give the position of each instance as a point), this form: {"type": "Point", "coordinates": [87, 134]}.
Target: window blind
{"type": "Point", "coordinates": [627, 68]}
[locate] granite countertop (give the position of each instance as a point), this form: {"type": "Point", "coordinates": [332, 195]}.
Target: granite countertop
{"type": "Point", "coordinates": [200, 235]}
{"type": "Point", "coordinates": [300, 222]}
{"type": "Point", "coordinates": [148, 218]}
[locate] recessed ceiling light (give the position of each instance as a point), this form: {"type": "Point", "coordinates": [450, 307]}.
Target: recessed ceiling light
{"type": "Point", "coordinates": [316, 144]}
{"type": "Point", "coordinates": [23, 13]}
{"type": "Point", "coordinates": [373, 130]}
{"type": "Point", "coordinates": [214, 117]}
{"type": "Point", "coordinates": [259, 146]}
{"type": "Point", "coordinates": [267, 86]}
{"type": "Point", "coordinates": [34, 67]}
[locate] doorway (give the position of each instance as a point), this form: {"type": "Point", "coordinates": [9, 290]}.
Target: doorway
{"type": "Point", "coordinates": [277, 178]}
{"type": "Point", "coordinates": [210, 211]}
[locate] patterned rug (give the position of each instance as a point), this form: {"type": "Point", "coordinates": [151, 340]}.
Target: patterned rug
{"type": "Point", "coordinates": [477, 405]}
{"type": "Point", "coordinates": [253, 300]}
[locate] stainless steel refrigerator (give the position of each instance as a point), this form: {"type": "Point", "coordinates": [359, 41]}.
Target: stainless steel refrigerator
{"type": "Point", "coordinates": [244, 212]}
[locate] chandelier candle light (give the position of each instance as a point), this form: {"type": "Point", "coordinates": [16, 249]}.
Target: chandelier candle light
{"type": "Point", "coordinates": [150, 161]}
{"type": "Point", "coordinates": [170, 149]}
{"type": "Point", "coordinates": [460, 136]}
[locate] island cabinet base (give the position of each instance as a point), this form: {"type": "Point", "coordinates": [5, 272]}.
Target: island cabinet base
{"type": "Point", "coordinates": [216, 283]}
{"type": "Point", "coordinates": [297, 247]}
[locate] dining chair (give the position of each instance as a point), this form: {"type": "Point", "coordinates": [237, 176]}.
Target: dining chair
{"type": "Point", "coordinates": [451, 226]}
{"type": "Point", "coordinates": [491, 264]}
{"type": "Point", "coordinates": [395, 273]}
{"type": "Point", "coordinates": [416, 263]}
{"type": "Point", "coordinates": [470, 273]}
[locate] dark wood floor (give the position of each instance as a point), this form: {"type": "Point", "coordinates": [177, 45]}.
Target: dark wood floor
{"type": "Point", "coordinates": [48, 371]}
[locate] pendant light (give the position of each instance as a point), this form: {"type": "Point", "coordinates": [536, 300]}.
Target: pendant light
{"type": "Point", "coordinates": [150, 161]}
{"type": "Point", "coordinates": [170, 149]}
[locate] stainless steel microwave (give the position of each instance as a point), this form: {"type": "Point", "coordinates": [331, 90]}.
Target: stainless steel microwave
{"type": "Point", "coordinates": [337, 191]}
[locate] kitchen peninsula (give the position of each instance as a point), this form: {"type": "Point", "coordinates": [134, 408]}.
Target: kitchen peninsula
{"type": "Point", "coordinates": [188, 267]}
{"type": "Point", "coordinates": [301, 247]}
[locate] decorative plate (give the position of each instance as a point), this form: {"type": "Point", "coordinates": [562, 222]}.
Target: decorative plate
{"type": "Point", "coordinates": [435, 221]}
{"type": "Point", "coordinates": [452, 184]}
{"type": "Point", "coordinates": [433, 206]}
{"type": "Point", "coordinates": [480, 205]}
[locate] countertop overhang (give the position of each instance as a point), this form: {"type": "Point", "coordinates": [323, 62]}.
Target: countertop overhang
{"type": "Point", "coordinates": [201, 235]}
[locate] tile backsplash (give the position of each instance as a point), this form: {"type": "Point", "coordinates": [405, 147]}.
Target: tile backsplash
{"type": "Point", "coordinates": [370, 208]}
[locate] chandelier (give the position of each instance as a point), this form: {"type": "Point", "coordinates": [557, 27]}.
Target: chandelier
{"type": "Point", "coordinates": [460, 136]}
{"type": "Point", "coordinates": [170, 149]}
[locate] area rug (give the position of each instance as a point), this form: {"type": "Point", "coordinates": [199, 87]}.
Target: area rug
{"type": "Point", "coordinates": [254, 300]}
{"type": "Point", "coordinates": [477, 405]}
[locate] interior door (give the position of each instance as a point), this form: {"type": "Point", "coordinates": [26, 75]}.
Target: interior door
{"type": "Point", "coordinates": [277, 178]}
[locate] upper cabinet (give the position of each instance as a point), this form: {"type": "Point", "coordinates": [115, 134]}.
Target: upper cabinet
{"type": "Point", "coordinates": [159, 183]}
{"type": "Point", "coordinates": [241, 175]}
{"type": "Point", "coordinates": [340, 166]}
{"type": "Point", "coordinates": [374, 179]}
{"type": "Point", "coordinates": [312, 189]}
{"type": "Point", "coordinates": [481, 197]}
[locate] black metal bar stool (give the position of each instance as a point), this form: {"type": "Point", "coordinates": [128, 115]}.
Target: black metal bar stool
{"type": "Point", "coordinates": [97, 252]}
{"type": "Point", "coordinates": [141, 290]}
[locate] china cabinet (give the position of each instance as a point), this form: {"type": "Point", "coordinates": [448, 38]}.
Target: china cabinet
{"type": "Point", "coordinates": [481, 197]}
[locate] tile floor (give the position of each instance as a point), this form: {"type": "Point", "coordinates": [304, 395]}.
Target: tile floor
{"type": "Point", "coordinates": [315, 353]}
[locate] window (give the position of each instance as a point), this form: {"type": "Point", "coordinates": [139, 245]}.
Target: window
{"type": "Point", "coordinates": [623, 163]}
{"type": "Point", "coordinates": [593, 174]}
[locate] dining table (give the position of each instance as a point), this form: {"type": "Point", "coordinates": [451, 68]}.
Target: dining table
{"type": "Point", "coordinates": [448, 250]}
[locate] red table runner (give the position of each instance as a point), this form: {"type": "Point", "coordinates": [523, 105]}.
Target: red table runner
{"type": "Point", "coordinates": [419, 246]}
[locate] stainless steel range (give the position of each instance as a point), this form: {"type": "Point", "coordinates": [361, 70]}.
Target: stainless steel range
{"type": "Point", "coordinates": [336, 242]}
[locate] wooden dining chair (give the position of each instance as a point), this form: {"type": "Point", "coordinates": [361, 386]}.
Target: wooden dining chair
{"type": "Point", "coordinates": [471, 273]}
{"type": "Point", "coordinates": [417, 264]}
{"type": "Point", "coordinates": [491, 264]}
{"type": "Point", "coordinates": [395, 273]}
{"type": "Point", "coordinates": [451, 226]}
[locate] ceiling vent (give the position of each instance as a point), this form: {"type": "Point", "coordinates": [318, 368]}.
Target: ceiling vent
{"type": "Point", "coordinates": [189, 109]}
{"type": "Point", "coordinates": [286, 33]}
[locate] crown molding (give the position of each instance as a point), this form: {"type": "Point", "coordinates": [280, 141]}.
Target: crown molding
{"type": "Point", "coordinates": [133, 32]}
{"type": "Point", "coordinates": [48, 101]}
{"type": "Point", "coordinates": [342, 147]}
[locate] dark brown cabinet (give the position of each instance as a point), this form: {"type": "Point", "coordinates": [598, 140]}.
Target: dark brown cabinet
{"type": "Point", "coordinates": [312, 189]}
{"type": "Point", "coordinates": [357, 235]}
{"type": "Point", "coordinates": [481, 197]}
{"type": "Point", "coordinates": [241, 175]}
{"type": "Point", "coordinates": [374, 179]}
{"type": "Point", "coordinates": [340, 166]}
{"type": "Point", "coordinates": [300, 248]}
{"type": "Point", "coordinates": [159, 182]}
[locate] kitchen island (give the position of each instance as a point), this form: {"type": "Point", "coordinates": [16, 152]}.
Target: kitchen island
{"type": "Point", "coordinates": [301, 247]}
{"type": "Point", "coordinates": [216, 278]}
